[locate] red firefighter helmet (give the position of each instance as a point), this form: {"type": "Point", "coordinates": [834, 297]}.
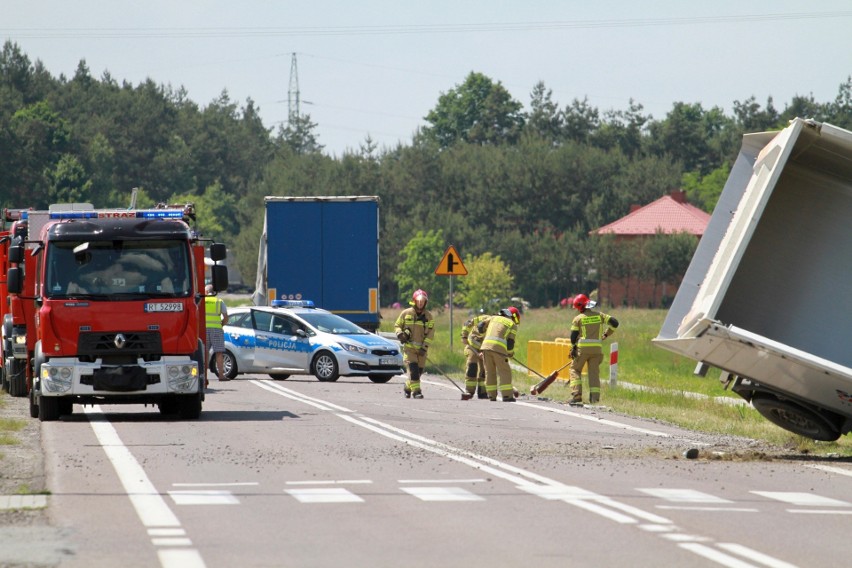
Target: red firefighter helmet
{"type": "Point", "coordinates": [511, 313]}
{"type": "Point", "coordinates": [516, 314]}
{"type": "Point", "coordinates": [419, 299]}
{"type": "Point", "coordinates": [580, 302]}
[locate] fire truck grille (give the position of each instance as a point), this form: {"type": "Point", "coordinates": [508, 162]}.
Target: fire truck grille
{"type": "Point", "coordinates": [120, 343]}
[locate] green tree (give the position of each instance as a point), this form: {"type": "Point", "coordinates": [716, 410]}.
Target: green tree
{"type": "Point", "coordinates": [300, 135]}
{"type": "Point", "coordinates": [69, 182]}
{"type": "Point", "coordinates": [417, 269]}
{"type": "Point", "coordinates": [544, 120]}
{"type": "Point", "coordinates": [704, 191]}
{"type": "Point", "coordinates": [478, 111]}
{"type": "Point", "coordinates": [488, 280]}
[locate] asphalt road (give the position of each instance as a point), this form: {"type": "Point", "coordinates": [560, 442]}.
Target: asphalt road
{"type": "Point", "coordinates": [309, 474]}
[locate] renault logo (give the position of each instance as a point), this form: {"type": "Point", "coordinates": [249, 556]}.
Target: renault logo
{"type": "Point", "coordinates": [119, 341]}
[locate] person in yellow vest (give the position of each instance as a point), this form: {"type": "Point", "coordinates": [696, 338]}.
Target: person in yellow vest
{"type": "Point", "coordinates": [498, 346]}
{"type": "Point", "coordinates": [587, 337]}
{"type": "Point", "coordinates": [415, 328]}
{"type": "Point", "coordinates": [471, 335]}
{"type": "Point", "coordinates": [216, 315]}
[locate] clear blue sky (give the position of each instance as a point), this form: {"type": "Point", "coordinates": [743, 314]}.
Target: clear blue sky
{"type": "Point", "coordinates": [376, 67]}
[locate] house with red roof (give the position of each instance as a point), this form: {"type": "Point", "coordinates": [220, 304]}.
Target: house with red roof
{"type": "Point", "coordinates": [669, 214]}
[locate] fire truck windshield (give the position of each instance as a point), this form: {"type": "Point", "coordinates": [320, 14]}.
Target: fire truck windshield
{"type": "Point", "coordinates": [135, 269]}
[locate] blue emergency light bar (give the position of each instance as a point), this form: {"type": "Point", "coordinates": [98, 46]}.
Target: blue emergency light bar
{"type": "Point", "coordinates": [119, 214]}
{"type": "Point", "coordinates": [292, 304]}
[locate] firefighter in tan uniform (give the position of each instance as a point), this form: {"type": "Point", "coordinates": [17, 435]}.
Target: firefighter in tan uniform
{"type": "Point", "coordinates": [472, 333]}
{"type": "Point", "coordinates": [587, 336]}
{"type": "Point", "coordinates": [414, 329]}
{"type": "Point", "coordinates": [497, 346]}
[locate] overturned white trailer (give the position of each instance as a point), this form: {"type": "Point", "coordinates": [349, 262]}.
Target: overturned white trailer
{"type": "Point", "coordinates": [766, 298]}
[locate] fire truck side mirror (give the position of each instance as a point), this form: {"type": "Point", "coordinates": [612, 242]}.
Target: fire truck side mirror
{"type": "Point", "coordinates": [14, 284]}
{"type": "Point", "coordinates": [218, 252]}
{"type": "Point", "coordinates": [16, 254]}
{"type": "Point", "coordinates": [219, 276]}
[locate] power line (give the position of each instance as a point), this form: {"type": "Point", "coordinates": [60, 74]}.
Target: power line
{"type": "Point", "coordinates": [403, 29]}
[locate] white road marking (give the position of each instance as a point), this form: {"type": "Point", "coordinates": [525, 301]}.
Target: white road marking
{"type": "Point", "coordinates": [479, 480]}
{"type": "Point", "coordinates": [802, 499]}
{"type": "Point", "coordinates": [187, 558]}
{"type": "Point", "coordinates": [819, 512]}
{"type": "Point", "coordinates": [442, 494]}
{"type": "Point", "coordinates": [166, 532]}
{"type": "Point", "coordinates": [717, 509]}
{"type": "Point", "coordinates": [324, 495]}
{"type": "Point", "coordinates": [683, 495]}
{"type": "Point", "coordinates": [331, 482]}
{"type": "Point", "coordinates": [754, 555]}
{"type": "Point", "coordinates": [202, 484]}
{"type": "Point", "coordinates": [715, 555]}
{"type": "Point", "coordinates": [200, 497]}
{"type": "Point", "coordinates": [523, 479]}
{"type": "Point", "coordinates": [150, 506]}
{"type": "Point", "coordinates": [830, 469]}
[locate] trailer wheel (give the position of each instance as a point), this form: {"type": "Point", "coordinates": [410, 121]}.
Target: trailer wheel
{"type": "Point", "coordinates": [795, 418]}
{"type": "Point", "coordinates": [380, 378]}
{"type": "Point", "coordinates": [325, 367]}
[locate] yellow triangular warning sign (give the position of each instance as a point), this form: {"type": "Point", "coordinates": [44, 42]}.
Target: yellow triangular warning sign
{"type": "Point", "coordinates": [451, 264]}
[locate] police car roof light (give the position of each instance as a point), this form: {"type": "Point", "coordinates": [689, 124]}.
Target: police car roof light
{"type": "Point", "coordinates": [292, 304]}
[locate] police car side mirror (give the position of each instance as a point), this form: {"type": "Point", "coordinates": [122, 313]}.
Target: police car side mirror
{"type": "Point", "coordinates": [301, 333]}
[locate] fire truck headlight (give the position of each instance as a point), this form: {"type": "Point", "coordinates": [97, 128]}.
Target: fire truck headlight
{"type": "Point", "coordinates": [56, 379]}
{"type": "Point", "coordinates": [182, 377]}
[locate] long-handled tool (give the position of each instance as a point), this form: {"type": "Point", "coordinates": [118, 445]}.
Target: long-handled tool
{"type": "Point", "coordinates": [465, 395]}
{"type": "Point", "coordinates": [545, 381]}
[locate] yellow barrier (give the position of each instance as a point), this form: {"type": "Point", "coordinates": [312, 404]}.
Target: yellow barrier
{"type": "Point", "coordinates": [547, 356]}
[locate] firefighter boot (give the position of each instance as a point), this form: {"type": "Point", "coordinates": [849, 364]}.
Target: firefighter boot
{"type": "Point", "coordinates": [480, 391]}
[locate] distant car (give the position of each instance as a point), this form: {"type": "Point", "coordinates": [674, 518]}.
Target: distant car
{"type": "Point", "coordinates": [292, 338]}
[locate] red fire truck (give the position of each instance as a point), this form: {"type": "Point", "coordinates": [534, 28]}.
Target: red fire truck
{"type": "Point", "coordinates": [118, 297]}
{"type": "Point", "coordinates": [12, 310]}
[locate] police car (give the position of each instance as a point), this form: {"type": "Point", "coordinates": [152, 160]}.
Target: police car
{"type": "Point", "coordinates": [294, 337]}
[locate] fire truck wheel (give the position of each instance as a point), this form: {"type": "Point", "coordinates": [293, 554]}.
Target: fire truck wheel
{"type": "Point", "coordinates": [190, 407]}
{"type": "Point", "coordinates": [17, 378]}
{"type": "Point", "coordinates": [48, 408]}
{"type": "Point", "coordinates": [33, 405]}
{"type": "Point", "coordinates": [169, 405]}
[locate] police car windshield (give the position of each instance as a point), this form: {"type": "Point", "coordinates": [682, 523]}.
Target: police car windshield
{"type": "Point", "coordinates": [330, 323]}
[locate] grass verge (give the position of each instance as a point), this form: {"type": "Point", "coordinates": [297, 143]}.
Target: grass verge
{"type": "Point", "coordinates": [664, 387]}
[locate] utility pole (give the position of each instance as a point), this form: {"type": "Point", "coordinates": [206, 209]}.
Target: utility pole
{"type": "Point", "coordinates": [293, 111]}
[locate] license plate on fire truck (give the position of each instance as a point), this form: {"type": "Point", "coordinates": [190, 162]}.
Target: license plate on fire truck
{"type": "Point", "coordinates": [164, 307]}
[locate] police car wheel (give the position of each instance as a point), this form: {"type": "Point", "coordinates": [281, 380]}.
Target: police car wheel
{"type": "Point", "coordinates": [325, 367]}
{"type": "Point", "coordinates": [380, 378]}
{"type": "Point", "coordinates": [229, 365]}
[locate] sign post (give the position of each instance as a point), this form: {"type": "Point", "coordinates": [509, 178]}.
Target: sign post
{"type": "Point", "coordinates": [451, 265]}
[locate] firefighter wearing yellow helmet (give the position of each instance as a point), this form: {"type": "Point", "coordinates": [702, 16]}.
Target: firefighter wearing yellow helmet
{"type": "Point", "coordinates": [415, 328]}
{"type": "Point", "coordinates": [587, 336]}
{"type": "Point", "coordinates": [497, 346]}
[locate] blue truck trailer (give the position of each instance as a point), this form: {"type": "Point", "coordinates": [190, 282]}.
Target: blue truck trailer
{"type": "Point", "coordinates": [324, 249]}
